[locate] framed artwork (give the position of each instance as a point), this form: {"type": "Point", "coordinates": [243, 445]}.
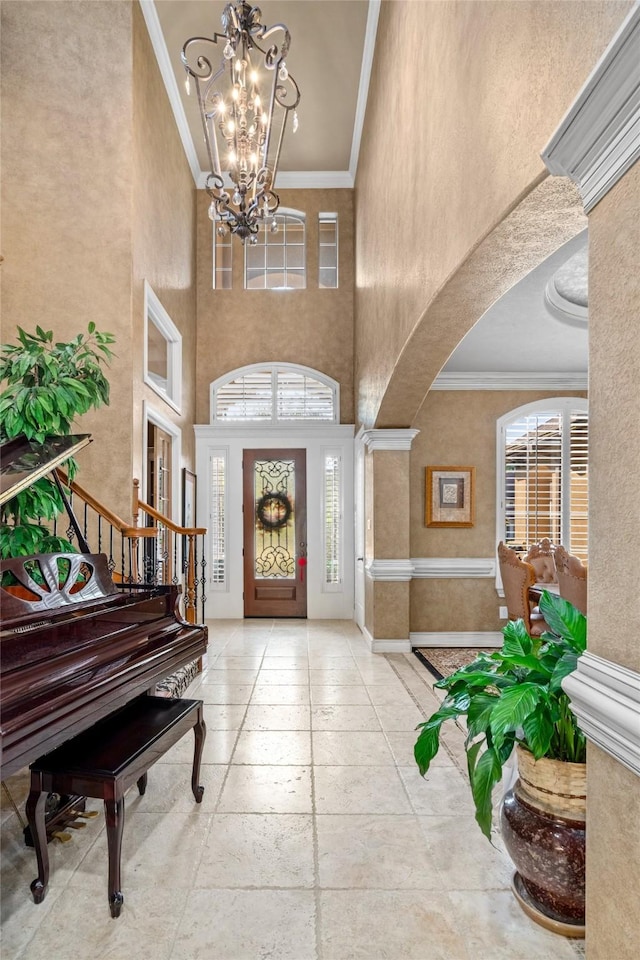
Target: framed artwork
{"type": "Point", "coordinates": [450, 496]}
{"type": "Point", "coordinates": [188, 498]}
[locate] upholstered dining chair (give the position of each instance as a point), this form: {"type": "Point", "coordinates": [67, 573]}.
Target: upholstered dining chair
{"type": "Point", "coordinates": [517, 576]}
{"type": "Point", "coordinates": [541, 556]}
{"type": "Point", "coordinates": [572, 578]}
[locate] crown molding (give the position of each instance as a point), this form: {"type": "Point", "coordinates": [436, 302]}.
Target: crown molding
{"type": "Point", "coordinates": [467, 568]}
{"type": "Point", "coordinates": [391, 439]}
{"type": "Point", "coordinates": [156, 36]}
{"type": "Point", "coordinates": [510, 381]}
{"type": "Point", "coordinates": [389, 569]}
{"type": "Point", "coordinates": [298, 180]}
{"type": "Point", "coordinates": [598, 139]}
{"type": "Point", "coordinates": [363, 88]}
{"type": "Point", "coordinates": [605, 697]}
{"type": "Point", "coordinates": [476, 638]}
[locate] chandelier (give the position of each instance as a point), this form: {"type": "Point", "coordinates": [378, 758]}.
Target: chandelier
{"type": "Point", "coordinates": [244, 108]}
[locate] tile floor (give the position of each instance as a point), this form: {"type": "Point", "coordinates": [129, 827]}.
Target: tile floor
{"type": "Point", "coordinates": [316, 839]}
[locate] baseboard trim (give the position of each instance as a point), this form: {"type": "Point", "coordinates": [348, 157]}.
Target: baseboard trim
{"type": "Point", "coordinates": [385, 646]}
{"type": "Point", "coordinates": [605, 697]}
{"type": "Point", "coordinates": [474, 638]}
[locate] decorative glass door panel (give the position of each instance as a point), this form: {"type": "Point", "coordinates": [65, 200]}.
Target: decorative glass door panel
{"type": "Point", "coordinates": [275, 553]}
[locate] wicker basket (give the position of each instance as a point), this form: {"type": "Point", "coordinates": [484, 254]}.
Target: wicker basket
{"type": "Point", "coordinates": [556, 786]}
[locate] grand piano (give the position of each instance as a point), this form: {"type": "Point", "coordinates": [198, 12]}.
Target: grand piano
{"type": "Point", "coordinates": [74, 645]}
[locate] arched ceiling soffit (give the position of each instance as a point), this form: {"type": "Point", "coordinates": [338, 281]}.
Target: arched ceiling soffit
{"type": "Point", "coordinates": [549, 214]}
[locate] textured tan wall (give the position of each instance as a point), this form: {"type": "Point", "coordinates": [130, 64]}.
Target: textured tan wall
{"type": "Point", "coordinates": [497, 78]}
{"type": "Point", "coordinates": [390, 518]}
{"type": "Point", "coordinates": [613, 858]}
{"type": "Point", "coordinates": [390, 610]}
{"type": "Point", "coordinates": [312, 327]}
{"type": "Point", "coordinates": [613, 798]}
{"type": "Point", "coordinates": [458, 428]}
{"type": "Point", "coordinates": [614, 362]}
{"type": "Point", "coordinates": [164, 238]}
{"type": "Point", "coordinates": [66, 197]}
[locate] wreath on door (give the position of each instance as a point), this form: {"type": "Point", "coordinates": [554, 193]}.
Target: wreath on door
{"type": "Point", "coordinates": [273, 510]}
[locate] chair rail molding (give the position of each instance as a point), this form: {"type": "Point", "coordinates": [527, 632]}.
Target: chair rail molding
{"type": "Point", "coordinates": [598, 139]}
{"type": "Point", "coordinates": [389, 569]}
{"type": "Point", "coordinates": [391, 439]}
{"type": "Point", "coordinates": [605, 697]}
{"type": "Point", "coordinates": [451, 567]}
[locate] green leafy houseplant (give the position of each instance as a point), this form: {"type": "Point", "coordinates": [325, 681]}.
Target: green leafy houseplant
{"type": "Point", "coordinates": [47, 386]}
{"type": "Point", "coordinates": [513, 696]}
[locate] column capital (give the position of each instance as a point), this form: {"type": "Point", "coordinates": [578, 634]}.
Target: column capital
{"type": "Point", "coordinates": [389, 439]}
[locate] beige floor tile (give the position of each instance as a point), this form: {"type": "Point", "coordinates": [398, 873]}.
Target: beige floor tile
{"type": "Point", "coordinates": [237, 693]}
{"type": "Point", "coordinates": [169, 789]}
{"type": "Point", "coordinates": [231, 676]}
{"type": "Point", "coordinates": [389, 694]}
{"type": "Point", "coordinates": [284, 677]}
{"type": "Point", "coordinates": [218, 747]}
{"type": "Point", "coordinates": [348, 694]}
{"type": "Point", "coordinates": [353, 747]}
{"type": "Point", "coordinates": [494, 929]}
{"type": "Point", "coordinates": [247, 925]}
{"type": "Point", "coordinates": [342, 717]}
{"type": "Point", "coordinates": [287, 662]}
{"type": "Point", "coordinates": [397, 718]}
{"type": "Point", "coordinates": [278, 717]}
{"type": "Point", "coordinates": [267, 789]}
{"type": "Point", "coordinates": [331, 677]}
{"type": "Point", "coordinates": [390, 925]}
{"type": "Point", "coordinates": [359, 790]}
{"type": "Point", "coordinates": [381, 852]}
{"type": "Point", "coordinates": [228, 662]}
{"type": "Point", "coordinates": [273, 747]}
{"type": "Point", "coordinates": [472, 863]}
{"type": "Point", "coordinates": [442, 790]}
{"type": "Point", "coordinates": [224, 716]}
{"type": "Point", "coordinates": [322, 661]}
{"type": "Point", "coordinates": [81, 927]}
{"type": "Point", "coordinates": [402, 744]}
{"type": "Point", "coordinates": [276, 693]}
{"type": "Point", "coordinates": [258, 850]}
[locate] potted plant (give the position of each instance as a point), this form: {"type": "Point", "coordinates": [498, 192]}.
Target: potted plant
{"type": "Point", "coordinates": [512, 699]}
{"type": "Point", "coordinates": [48, 385]}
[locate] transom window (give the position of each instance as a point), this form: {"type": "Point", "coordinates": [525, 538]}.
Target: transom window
{"type": "Point", "coordinates": [275, 393]}
{"type": "Point", "coordinates": [328, 251]}
{"type": "Point", "coordinates": [543, 475]}
{"type": "Point", "coordinates": [277, 260]}
{"type": "Point", "coordinates": [222, 258]}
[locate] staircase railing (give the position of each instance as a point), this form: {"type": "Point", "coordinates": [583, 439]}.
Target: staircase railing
{"type": "Point", "coordinates": [174, 555]}
{"type": "Point", "coordinates": [160, 552]}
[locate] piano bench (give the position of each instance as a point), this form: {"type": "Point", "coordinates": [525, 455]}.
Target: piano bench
{"type": "Point", "coordinates": [103, 762]}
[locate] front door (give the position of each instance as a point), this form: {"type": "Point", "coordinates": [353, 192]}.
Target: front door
{"type": "Point", "coordinates": [275, 533]}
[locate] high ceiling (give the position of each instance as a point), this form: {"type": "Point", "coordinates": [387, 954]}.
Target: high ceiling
{"type": "Point", "coordinates": [332, 41]}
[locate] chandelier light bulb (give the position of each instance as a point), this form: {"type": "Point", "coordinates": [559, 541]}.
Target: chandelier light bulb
{"type": "Point", "coordinates": [222, 107]}
{"type": "Point", "coordinates": [232, 157]}
{"type": "Point", "coordinates": [234, 93]}
{"type": "Point", "coordinates": [254, 76]}
{"type": "Point", "coordinates": [263, 119]}
{"type": "Point", "coordinates": [256, 101]}
{"type": "Point", "coordinates": [253, 240]}
{"type": "Point", "coordinates": [295, 121]}
{"type": "Point", "coordinates": [231, 126]}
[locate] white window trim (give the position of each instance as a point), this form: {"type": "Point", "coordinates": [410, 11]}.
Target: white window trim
{"type": "Point", "coordinates": [563, 405]}
{"type": "Point", "coordinates": [281, 212]}
{"type": "Point", "coordinates": [273, 368]}
{"type": "Point", "coordinates": [149, 415]}
{"type": "Point", "coordinates": [154, 311]}
{"type": "Point", "coordinates": [221, 452]}
{"type": "Point", "coordinates": [333, 452]}
{"type": "Point", "coordinates": [331, 218]}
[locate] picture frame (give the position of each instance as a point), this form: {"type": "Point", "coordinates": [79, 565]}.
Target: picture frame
{"type": "Point", "coordinates": [450, 496]}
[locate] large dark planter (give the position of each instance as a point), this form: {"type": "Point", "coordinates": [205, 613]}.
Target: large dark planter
{"type": "Point", "coordinates": [543, 827]}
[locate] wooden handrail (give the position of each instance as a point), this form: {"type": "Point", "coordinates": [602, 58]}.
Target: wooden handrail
{"type": "Point", "coordinates": [169, 524]}
{"type": "Point", "coordinates": [124, 528]}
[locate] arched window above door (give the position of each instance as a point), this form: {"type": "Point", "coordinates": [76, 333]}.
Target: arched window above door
{"type": "Point", "coordinates": [275, 393]}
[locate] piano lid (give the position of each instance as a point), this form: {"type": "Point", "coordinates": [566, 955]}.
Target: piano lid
{"type": "Point", "coordinates": [23, 461]}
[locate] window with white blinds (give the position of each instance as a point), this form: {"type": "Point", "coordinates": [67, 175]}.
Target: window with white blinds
{"type": "Point", "coordinates": [544, 460]}
{"type": "Point", "coordinates": [332, 519]}
{"type": "Point", "coordinates": [275, 394]}
{"type": "Point", "coordinates": [217, 519]}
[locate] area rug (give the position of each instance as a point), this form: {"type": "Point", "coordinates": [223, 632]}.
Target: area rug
{"type": "Point", "coordinates": [442, 661]}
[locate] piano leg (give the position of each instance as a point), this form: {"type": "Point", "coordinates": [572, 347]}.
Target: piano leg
{"type": "Point", "coordinates": [200, 732]}
{"type": "Point", "coordinates": [114, 815]}
{"type": "Point", "coordinates": [36, 803]}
